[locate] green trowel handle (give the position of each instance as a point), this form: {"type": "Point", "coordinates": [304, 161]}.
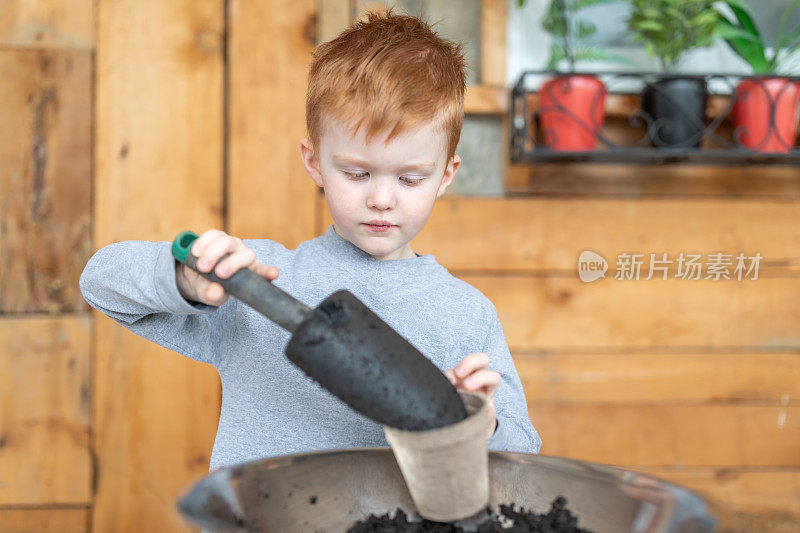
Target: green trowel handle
{"type": "Point", "coordinates": [247, 286]}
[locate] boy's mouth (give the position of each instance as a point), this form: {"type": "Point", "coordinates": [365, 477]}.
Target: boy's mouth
{"type": "Point", "coordinates": [379, 225]}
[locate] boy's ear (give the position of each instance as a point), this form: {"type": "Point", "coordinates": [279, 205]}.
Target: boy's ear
{"type": "Point", "coordinates": [310, 161]}
{"type": "Point", "coordinates": [449, 174]}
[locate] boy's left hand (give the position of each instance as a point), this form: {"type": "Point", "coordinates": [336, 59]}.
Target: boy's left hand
{"type": "Point", "coordinates": [472, 374]}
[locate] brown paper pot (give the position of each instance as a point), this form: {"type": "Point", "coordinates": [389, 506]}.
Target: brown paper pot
{"type": "Point", "coordinates": [446, 469]}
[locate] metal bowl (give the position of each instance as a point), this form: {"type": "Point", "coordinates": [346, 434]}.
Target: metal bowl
{"type": "Point", "coordinates": [331, 490]}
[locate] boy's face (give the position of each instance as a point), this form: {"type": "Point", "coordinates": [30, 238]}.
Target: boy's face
{"type": "Point", "coordinates": [380, 195]}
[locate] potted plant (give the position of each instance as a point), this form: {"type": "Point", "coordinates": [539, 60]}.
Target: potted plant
{"type": "Point", "coordinates": [669, 29]}
{"type": "Point", "coordinates": [571, 106]}
{"type": "Point", "coordinates": [765, 108]}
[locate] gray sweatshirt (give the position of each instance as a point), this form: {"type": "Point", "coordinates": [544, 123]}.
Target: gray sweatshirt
{"type": "Point", "coordinates": [269, 406]}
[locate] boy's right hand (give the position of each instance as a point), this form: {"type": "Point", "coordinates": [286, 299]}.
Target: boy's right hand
{"type": "Point", "coordinates": [209, 248]}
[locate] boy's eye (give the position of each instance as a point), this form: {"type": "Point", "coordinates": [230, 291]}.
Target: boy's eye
{"type": "Point", "coordinates": [355, 175]}
{"type": "Point", "coordinates": [410, 181]}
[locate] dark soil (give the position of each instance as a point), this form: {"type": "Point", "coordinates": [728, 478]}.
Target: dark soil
{"type": "Point", "coordinates": [508, 519]}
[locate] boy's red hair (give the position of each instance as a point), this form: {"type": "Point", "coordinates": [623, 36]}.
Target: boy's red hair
{"type": "Point", "coordinates": [387, 72]}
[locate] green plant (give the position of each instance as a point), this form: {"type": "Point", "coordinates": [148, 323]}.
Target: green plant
{"type": "Point", "coordinates": [670, 28]}
{"type": "Point", "coordinates": [569, 33]}
{"type": "Point", "coordinates": [743, 37]}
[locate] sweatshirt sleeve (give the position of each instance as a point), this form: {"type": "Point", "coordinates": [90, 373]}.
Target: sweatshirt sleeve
{"type": "Point", "coordinates": [133, 282]}
{"type": "Point", "coordinates": [515, 432]}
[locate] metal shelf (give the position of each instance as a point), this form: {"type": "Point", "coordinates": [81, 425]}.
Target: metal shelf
{"type": "Point", "coordinates": [720, 143]}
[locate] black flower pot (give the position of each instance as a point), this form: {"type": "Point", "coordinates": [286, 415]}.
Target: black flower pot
{"type": "Point", "coordinates": [677, 107]}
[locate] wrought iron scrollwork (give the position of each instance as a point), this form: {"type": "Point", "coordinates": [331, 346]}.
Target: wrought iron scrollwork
{"type": "Point", "coordinates": [531, 143]}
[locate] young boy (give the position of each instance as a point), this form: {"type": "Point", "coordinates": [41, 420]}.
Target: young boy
{"type": "Point", "coordinates": [384, 112]}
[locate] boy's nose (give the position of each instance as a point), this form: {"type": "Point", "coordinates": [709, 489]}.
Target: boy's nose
{"type": "Point", "coordinates": [381, 196]}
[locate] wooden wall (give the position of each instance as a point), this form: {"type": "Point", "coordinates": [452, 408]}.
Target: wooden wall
{"type": "Point", "coordinates": [137, 119]}
{"type": "Point", "coordinates": [692, 381]}
{"type": "Point", "coordinates": [45, 238]}
{"type": "Point", "coordinates": [159, 169]}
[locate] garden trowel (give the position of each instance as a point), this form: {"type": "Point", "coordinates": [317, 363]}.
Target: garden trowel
{"type": "Point", "coordinates": [348, 350]}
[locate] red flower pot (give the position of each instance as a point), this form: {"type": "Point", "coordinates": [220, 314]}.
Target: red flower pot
{"type": "Point", "coordinates": [571, 112]}
{"type": "Point", "coordinates": [765, 114]}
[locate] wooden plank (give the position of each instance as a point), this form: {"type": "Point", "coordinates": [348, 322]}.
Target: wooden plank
{"type": "Point", "coordinates": [47, 24]}
{"type": "Point", "coordinates": [648, 435]}
{"type": "Point", "coordinates": [159, 170]}
{"type": "Point", "coordinates": [621, 131]}
{"type": "Point", "coordinates": [756, 500]}
{"type": "Point", "coordinates": [744, 489]}
{"type": "Point", "coordinates": [45, 186]}
{"type": "Point", "coordinates": [779, 522]}
{"type": "Point", "coordinates": [640, 181]}
{"type": "Point", "coordinates": [535, 234]}
{"type": "Point", "coordinates": [551, 309]}
{"type": "Point", "coordinates": [269, 193]}
{"type": "Point", "coordinates": [485, 100]}
{"type": "Point", "coordinates": [156, 416]}
{"type": "Point", "coordinates": [543, 314]}
{"type": "Point", "coordinates": [169, 131]}
{"type": "Point", "coordinates": [625, 105]}
{"type": "Point", "coordinates": [493, 42]}
{"type": "Point", "coordinates": [45, 455]}
{"type": "Point", "coordinates": [44, 520]}
{"type": "Point", "coordinates": [333, 16]}
{"type": "Point", "coordinates": [659, 377]}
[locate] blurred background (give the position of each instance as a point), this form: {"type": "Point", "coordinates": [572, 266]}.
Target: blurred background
{"type": "Point", "coordinates": [136, 119]}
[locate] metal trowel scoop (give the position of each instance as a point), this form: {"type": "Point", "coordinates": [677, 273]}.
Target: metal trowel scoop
{"type": "Point", "coordinates": [348, 350]}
